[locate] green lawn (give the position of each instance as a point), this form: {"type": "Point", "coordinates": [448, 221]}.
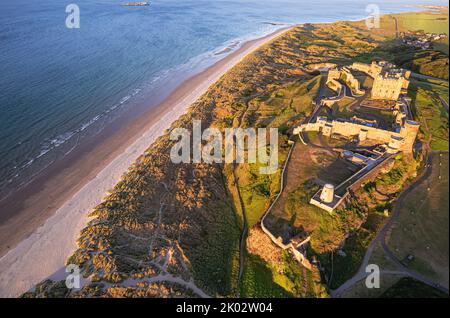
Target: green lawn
{"type": "Point", "coordinates": [433, 22]}
{"type": "Point", "coordinates": [257, 280]}
{"type": "Point", "coordinates": [433, 117]}
{"type": "Point", "coordinates": [426, 21]}
{"type": "Point", "coordinates": [422, 228]}
{"type": "Point", "coordinates": [410, 288]}
{"type": "Point", "coordinates": [257, 190]}
{"type": "Point", "coordinates": [434, 86]}
{"type": "Point", "coordinates": [429, 62]}
{"type": "Point", "coordinates": [286, 279]}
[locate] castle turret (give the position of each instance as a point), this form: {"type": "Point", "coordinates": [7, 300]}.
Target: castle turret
{"type": "Point", "coordinates": [395, 144]}
{"type": "Point", "coordinates": [327, 194]}
{"type": "Point", "coordinates": [399, 116]}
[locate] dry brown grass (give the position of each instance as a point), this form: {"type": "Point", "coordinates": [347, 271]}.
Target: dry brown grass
{"type": "Point", "coordinates": [258, 243]}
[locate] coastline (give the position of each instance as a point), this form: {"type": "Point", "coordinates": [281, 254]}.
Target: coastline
{"type": "Point", "coordinates": [54, 211]}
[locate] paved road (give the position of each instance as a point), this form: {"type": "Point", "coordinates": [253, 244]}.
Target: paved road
{"type": "Point", "coordinates": [422, 76]}
{"type": "Point", "coordinates": [443, 102]}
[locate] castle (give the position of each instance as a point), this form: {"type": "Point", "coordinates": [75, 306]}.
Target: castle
{"type": "Point", "coordinates": [401, 139]}
{"type": "Point", "coordinates": [345, 75]}
{"type": "Point", "coordinates": [389, 83]}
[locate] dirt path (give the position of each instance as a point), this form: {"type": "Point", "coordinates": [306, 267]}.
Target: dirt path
{"type": "Point", "coordinates": [422, 76]}
{"type": "Point", "coordinates": [443, 102]}
{"type": "Point", "coordinates": [396, 28]}
{"type": "Point", "coordinates": [242, 246]}
{"type": "Point", "coordinates": [165, 277]}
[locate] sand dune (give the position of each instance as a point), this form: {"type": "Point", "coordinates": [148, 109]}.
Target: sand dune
{"type": "Point", "coordinates": [43, 253]}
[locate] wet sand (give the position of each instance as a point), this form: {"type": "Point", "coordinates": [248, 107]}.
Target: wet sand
{"type": "Point", "coordinates": [40, 223]}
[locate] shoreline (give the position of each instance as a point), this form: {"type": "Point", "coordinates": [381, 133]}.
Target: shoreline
{"type": "Point", "coordinates": [54, 211]}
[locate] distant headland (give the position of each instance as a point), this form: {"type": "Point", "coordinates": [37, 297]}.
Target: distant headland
{"type": "Point", "coordinates": [136, 4]}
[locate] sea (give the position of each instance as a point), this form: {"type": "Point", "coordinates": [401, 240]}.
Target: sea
{"type": "Point", "coordinates": [61, 86]}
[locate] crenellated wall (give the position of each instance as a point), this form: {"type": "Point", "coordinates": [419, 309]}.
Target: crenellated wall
{"type": "Point", "coordinates": [397, 141]}
{"type": "Point", "coordinates": [346, 75]}
{"type": "Point", "coordinates": [351, 81]}
{"type": "Point", "coordinates": [388, 80]}
{"type": "Point", "coordinates": [387, 87]}
{"type": "Point", "coordinates": [278, 241]}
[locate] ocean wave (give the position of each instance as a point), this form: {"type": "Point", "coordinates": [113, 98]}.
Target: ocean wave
{"type": "Point", "coordinates": [189, 68]}
{"type": "Point", "coordinates": [50, 144]}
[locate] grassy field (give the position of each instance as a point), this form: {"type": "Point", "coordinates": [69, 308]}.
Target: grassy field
{"type": "Point", "coordinates": [428, 62]}
{"type": "Point", "coordinates": [432, 116]}
{"type": "Point", "coordinates": [282, 107]}
{"type": "Point", "coordinates": [422, 228]}
{"type": "Point", "coordinates": [283, 279]}
{"type": "Point", "coordinates": [434, 86]}
{"type": "Point", "coordinates": [360, 290]}
{"type": "Point", "coordinates": [433, 62]}
{"type": "Point", "coordinates": [409, 288]}
{"type": "Point", "coordinates": [289, 103]}
{"type": "Point", "coordinates": [293, 214]}
{"type": "Point", "coordinates": [427, 21]}
{"type": "Point", "coordinates": [442, 46]}
{"type": "Point", "coordinates": [347, 264]}
{"type": "Point", "coordinates": [258, 280]}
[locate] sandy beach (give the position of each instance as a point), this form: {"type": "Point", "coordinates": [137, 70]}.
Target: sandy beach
{"type": "Point", "coordinates": [39, 226]}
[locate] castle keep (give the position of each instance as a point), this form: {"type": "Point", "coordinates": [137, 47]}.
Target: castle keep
{"type": "Point", "coordinates": [388, 81]}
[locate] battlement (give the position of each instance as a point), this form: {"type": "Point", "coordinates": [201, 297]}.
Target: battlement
{"type": "Point", "coordinates": [401, 140]}
{"type": "Point", "coordinates": [389, 81]}
{"type": "Point", "coordinates": [344, 74]}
